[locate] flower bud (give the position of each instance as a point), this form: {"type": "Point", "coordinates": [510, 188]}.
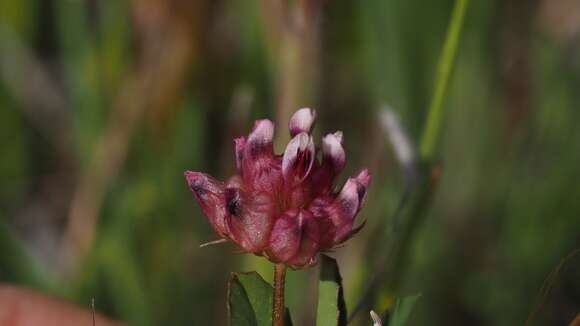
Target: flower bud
{"type": "Point", "coordinates": [298, 158]}
{"type": "Point", "coordinates": [260, 139]}
{"type": "Point", "coordinates": [260, 168]}
{"type": "Point", "coordinates": [348, 203]}
{"type": "Point", "coordinates": [210, 195]}
{"type": "Point", "coordinates": [302, 121]}
{"type": "Point", "coordinates": [333, 152]}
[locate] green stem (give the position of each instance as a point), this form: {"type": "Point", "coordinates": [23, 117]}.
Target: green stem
{"type": "Point", "coordinates": [435, 113]}
{"type": "Point", "coordinates": [278, 308]}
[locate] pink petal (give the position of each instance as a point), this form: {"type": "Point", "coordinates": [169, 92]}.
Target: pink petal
{"type": "Point", "coordinates": [363, 180]}
{"type": "Point", "coordinates": [333, 161]}
{"type": "Point", "coordinates": [210, 195]}
{"type": "Point", "coordinates": [294, 238]}
{"type": "Point", "coordinates": [250, 218]}
{"type": "Point", "coordinates": [261, 170]}
{"type": "Point", "coordinates": [246, 218]}
{"type": "Point", "coordinates": [348, 203]}
{"type": "Point", "coordinates": [302, 121]}
{"type": "Point", "coordinates": [343, 209]}
{"type": "Point", "coordinates": [309, 246]}
{"type": "Point", "coordinates": [259, 141]}
{"type": "Point", "coordinates": [319, 209]}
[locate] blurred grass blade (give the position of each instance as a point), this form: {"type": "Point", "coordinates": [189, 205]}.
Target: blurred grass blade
{"type": "Point", "coordinates": [446, 61]}
{"type": "Point", "coordinates": [331, 306]}
{"type": "Point", "coordinates": [125, 278]}
{"type": "Point", "coordinates": [400, 141]}
{"type": "Point", "coordinates": [250, 300]}
{"type": "Point", "coordinates": [18, 265]}
{"type": "Point", "coordinates": [429, 172]}
{"type": "Point", "coordinates": [402, 310]}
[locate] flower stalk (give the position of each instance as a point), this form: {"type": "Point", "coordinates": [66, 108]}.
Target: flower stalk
{"type": "Point", "coordinates": [278, 307]}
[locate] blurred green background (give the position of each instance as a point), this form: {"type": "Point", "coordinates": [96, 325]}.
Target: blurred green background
{"type": "Point", "coordinates": [104, 104]}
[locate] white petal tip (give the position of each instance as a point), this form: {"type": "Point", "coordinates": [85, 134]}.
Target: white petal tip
{"type": "Point", "coordinates": [260, 139]}
{"type": "Point", "coordinates": [301, 143]}
{"type": "Point", "coordinates": [192, 177]}
{"type": "Point", "coordinates": [338, 135]}
{"type": "Point", "coordinates": [332, 149]}
{"type": "Point", "coordinates": [364, 177]}
{"type": "Point", "coordinates": [302, 121]}
{"type": "Point", "coordinates": [263, 130]}
{"type": "Point", "coordinates": [376, 319]}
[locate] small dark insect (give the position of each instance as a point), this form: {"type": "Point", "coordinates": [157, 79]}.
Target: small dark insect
{"type": "Point", "coordinates": [233, 202]}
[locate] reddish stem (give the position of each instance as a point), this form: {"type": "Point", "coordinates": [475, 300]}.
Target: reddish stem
{"type": "Point", "coordinates": [278, 308]}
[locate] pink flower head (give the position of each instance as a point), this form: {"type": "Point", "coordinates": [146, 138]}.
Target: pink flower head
{"type": "Point", "coordinates": [284, 207]}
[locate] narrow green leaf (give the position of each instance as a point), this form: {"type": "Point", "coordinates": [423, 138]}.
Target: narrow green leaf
{"type": "Point", "coordinates": [402, 310]}
{"type": "Point", "coordinates": [331, 306]}
{"type": "Point", "coordinates": [250, 301]}
{"type": "Point", "coordinates": [18, 265]}
{"type": "Point", "coordinates": [287, 318]}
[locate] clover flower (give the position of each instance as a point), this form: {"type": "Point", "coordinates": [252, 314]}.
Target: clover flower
{"type": "Point", "coordinates": [284, 207]}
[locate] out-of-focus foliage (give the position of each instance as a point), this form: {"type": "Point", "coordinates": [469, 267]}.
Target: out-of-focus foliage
{"type": "Point", "coordinates": [104, 104]}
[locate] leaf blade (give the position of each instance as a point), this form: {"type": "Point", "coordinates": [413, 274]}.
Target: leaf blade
{"type": "Point", "coordinates": [331, 306]}
{"type": "Point", "coordinates": [250, 301]}
{"type": "Point", "coordinates": [240, 311]}
{"type": "Point", "coordinates": [259, 294]}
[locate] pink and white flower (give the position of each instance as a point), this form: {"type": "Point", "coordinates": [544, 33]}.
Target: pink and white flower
{"type": "Point", "coordinates": [284, 207]}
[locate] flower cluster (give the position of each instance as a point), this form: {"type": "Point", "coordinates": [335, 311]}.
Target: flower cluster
{"type": "Point", "coordinates": [283, 207]}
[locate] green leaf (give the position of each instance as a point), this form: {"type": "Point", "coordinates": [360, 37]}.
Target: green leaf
{"type": "Point", "coordinates": [331, 306]}
{"type": "Point", "coordinates": [250, 301]}
{"type": "Point", "coordinates": [402, 310]}
{"type": "Point", "coordinates": [240, 311]}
